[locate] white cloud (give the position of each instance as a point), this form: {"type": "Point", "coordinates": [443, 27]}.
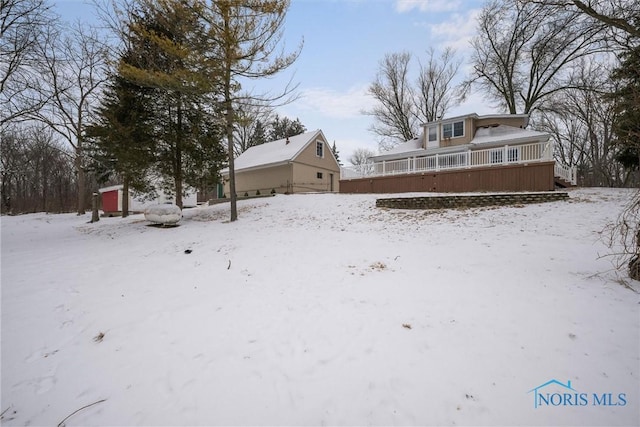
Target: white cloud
{"type": "Point", "coordinates": [475, 103]}
{"type": "Point", "coordinates": [403, 6]}
{"type": "Point", "coordinates": [458, 30]}
{"type": "Point", "coordinates": [335, 104]}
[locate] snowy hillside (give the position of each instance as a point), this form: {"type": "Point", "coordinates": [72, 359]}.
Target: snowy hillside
{"type": "Point", "coordinates": [320, 310]}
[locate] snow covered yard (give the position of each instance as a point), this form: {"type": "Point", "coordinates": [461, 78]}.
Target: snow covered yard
{"type": "Point", "coordinates": [320, 310]}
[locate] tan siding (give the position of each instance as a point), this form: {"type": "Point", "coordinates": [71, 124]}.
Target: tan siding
{"type": "Point", "coordinates": [308, 156]}
{"type": "Point", "coordinates": [469, 132]}
{"type": "Point", "coordinates": [278, 178]}
{"type": "Point", "coordinates": [305, 178]}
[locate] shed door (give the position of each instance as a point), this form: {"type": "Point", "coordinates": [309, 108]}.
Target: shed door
{"type": "Point", "coordinates": [110, 201]}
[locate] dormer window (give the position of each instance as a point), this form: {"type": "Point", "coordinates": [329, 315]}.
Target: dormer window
{"type": "Point", "coordinates": [453, 130]}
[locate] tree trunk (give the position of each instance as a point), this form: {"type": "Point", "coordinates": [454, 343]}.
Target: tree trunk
{"type": "Point", "coordinates": [125, 197]}
{"type": "Point", "coordinates": [95, 216]}
{"type": "Point", "coordinates": [178, 159]}
{"type": "Point", "coordinates": [81, 180]}
{"type": "Point", "coordinates": [229, 129]}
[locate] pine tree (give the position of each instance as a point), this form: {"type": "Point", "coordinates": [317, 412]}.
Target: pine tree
{"type": "Point", "coordinates": [121, 141]}
{"type": "Point", "coordinates": [627, 105]}
{"type": "Point", "coordinates": [336, 153]}
{"type": "Point", "coordinates": [280, 128]}
{"type": "Point", "coordinates": [259, 135]}
{"type": "Point", "coordinates": [171, 52]}
{"type": "Point", "coordinates": [156, 121]}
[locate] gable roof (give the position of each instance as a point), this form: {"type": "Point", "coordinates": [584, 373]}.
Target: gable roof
{"type": "Point", "coordinates": [276, 152]}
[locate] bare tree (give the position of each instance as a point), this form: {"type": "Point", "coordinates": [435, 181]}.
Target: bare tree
{"type": "Point", "coordinates": [435, 94]}
{"type": "Point", "coordinates": [616, 14]}
{"type": "Point", "coordinates": [251, 120]}
{"type": "Point", "coordinates": [395, 121]}
{"type": "Point", "coordinates": [361, 160]}
{"type": "Point", "coordinates": [22, 24]}
{"type": "Point", "coordinates": [402, 105]}
{"type": "Point", "coordinates": [73, 65]}
{"type": "Point", "coordinates": [36, 172]}
{"type": "Point", "coordinates": [524, 52]}
{"type": "Point", "coordinates": [580, 121]}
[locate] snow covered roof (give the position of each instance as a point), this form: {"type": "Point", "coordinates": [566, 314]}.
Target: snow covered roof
{"type": "Point", "coordinates": [503, 134]}
{"type": "Point", "coordinates": [111, 188]}
{"type": "Point", "coordinates": [276, 152]}
{"type": "Point", "coordinates": [411, 145]}
{"type": "Point", "coordinates": [485, 136]}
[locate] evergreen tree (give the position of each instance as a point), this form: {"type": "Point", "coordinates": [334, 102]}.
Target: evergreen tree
{"type": "Point", "coordinates": [627, 102]}
{"type": "Point", "coordinates": [336, 153]}
{"type": "Point", "coordinates": [259, 135]}
{"type": "Point", "coordinates": [121, 140]}
{"type": "Point", "coordinates": [171, 53]}
{"type": "Point", "coordinates": [280, 128]}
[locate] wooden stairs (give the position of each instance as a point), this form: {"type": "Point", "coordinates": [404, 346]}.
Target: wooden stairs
{"type": "Point", "coordinates": [562, 183]}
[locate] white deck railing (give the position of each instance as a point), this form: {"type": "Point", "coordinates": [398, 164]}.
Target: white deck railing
{"type": "Point", "coordinates": [568, 173]}
{"type": "Point", "coordinates": [537, 152]}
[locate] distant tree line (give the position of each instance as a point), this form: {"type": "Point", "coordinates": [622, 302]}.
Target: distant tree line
{"type": "Point", "coordinates": [37, 172]}
{"type": "Point", "coordinates": [153, 102]}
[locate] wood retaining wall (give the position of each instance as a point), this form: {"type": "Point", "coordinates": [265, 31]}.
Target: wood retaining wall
{"type": "Point", "coordinates": [519, 177]}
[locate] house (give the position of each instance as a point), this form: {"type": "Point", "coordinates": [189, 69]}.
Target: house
{"type": "Point", "coordinates": [112, 200]}
{"type": "Point", "coordinates": [464, 153]}
{"type": "Point", "coordinates": [300, 163]}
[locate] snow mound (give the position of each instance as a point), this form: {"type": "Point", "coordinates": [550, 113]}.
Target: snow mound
{"type": "Point", "coordinates": [166, 214]}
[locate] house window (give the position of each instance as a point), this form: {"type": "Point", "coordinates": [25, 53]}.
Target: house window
{"type": "Point", "coordinates": [319, 175]}
{"type": "Point", "coordinates": [319, 149]}
{"type": "Point", "coordinates": [453, 130]}
{"type": "Point", "coordinates": [433, 133]}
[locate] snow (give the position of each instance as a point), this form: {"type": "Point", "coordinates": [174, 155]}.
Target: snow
{"type": "Point", "coordinates": [275, 152]}
{"type": "Point", "coordinates": [503, 134]}
{"type": "Point", "coordinates": [163, 214]}
{"type": "Point", "coordinates": [318, 310]}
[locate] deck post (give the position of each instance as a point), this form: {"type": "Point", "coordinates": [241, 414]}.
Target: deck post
{"type": "Point", "coordinates": [437, 163]}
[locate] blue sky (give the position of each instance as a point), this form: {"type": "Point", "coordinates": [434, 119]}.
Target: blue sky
{"type": "Point", "coordinates": [343, 42]}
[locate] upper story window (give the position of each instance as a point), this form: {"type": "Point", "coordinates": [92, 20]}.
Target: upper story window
{"type": "Point", "coordinates": [319, 149]}
{"type": "Point", "coordinates": [453, 130]}
{"type": "Point", "coordinates": [433, 133]}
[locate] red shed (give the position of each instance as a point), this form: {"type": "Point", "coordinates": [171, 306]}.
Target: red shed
{"type": "Point", "coordinates": [111, 199]}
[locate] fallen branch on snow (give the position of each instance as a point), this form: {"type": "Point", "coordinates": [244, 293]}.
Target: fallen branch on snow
{"type": "Point", "coordinates": [61, 424]}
